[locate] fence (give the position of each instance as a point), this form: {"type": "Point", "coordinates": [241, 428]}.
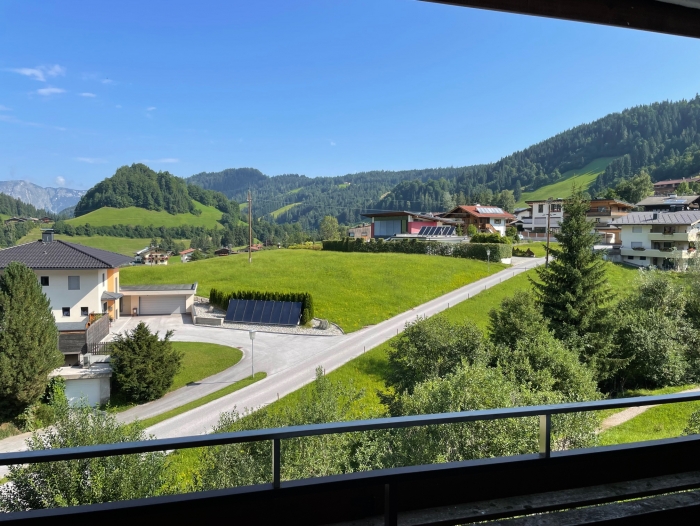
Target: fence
{"type": "Point", "coordinates": [100, 348]}
{"type": "Point", "coordinates": [403, 487]}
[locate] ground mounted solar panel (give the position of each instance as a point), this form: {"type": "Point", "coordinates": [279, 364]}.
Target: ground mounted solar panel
{"type": "Point", "coordinates": [264, 312]}
{"type": "Point", "coordinates": [422, 230]}
{"type": "Point", "coordinates": [450, 231]}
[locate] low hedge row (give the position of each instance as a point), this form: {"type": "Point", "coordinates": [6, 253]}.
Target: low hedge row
{"type": "Point", "coordinates": [220, 299]}
{"type": "Point", "coordinates": [413, 246]}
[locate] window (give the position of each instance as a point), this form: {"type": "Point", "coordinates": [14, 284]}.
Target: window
{"type": "Point", "coordinates": [636, 229]}
{"type": "Point", "coordinates": [642, 258]}
{"type": "Point", "coordinates": [496, 221]}
{"type": "Point", "coordinates": [104, 308]}
{"type": "Point", "coordinates": [636, 244]}
{"type": "Point", "coordinates": [66, 312]}
{"type": "Point", "coordinates": [556, 208]}
{"type": "Point", "coordinates": [630, 257]}
{"type": "Point", "coordinates": [44, 281]}
{"type": "Point", "coordinates": [116, 284]}
{"type": "Point", "coordinates": [73, 282]}
{"type": "Point", "coordinates": [84, 311]}
{"type": "Point", "coordinates": [540, 209]}
{"type": "Point", "coordinates": [103, 278]}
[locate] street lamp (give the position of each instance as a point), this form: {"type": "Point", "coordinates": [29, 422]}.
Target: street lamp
{"type": "Point", "coordinates": [252, 353]}
{"type": "Point", "coordinates": [488, 260]}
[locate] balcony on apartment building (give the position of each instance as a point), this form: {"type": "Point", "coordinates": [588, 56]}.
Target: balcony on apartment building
{"type": "Point", "coordinates": [667, 233]}
{"type": "Point", "coordinates": [658, 251]}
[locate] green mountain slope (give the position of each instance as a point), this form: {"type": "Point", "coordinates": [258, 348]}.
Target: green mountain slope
{"type": "Point", "coordinates": [132, 215]}
{"type": "Point", "coordinates": [584, 177]}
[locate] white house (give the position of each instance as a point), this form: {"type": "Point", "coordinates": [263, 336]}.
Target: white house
{"type": "Point", "coordinates": [540, 210]}
{"type": "Point", "coordinates": [662, 239]}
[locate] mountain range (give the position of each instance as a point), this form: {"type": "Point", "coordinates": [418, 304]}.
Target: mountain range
{"type": "Point", "coordinates": [51, 199]}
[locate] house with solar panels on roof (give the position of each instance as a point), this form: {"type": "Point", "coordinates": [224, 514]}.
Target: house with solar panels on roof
{"type": "Point", "coordinates": [491, 219]}
{"type": "Point", "coordinates": [406, 225]}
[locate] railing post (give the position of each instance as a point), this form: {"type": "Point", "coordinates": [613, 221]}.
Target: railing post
{"type": "Point", "coordinates": [545, 435]}
{"type": "Point", "coordinates": [276, 463]}
{"type": "Point", "coordinates": [390, 510]}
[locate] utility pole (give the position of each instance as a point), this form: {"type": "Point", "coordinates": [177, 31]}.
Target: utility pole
{"type": "Point", "coordinates": [250, 227]}
{"type": "Point", "coordinates": [549, 215]}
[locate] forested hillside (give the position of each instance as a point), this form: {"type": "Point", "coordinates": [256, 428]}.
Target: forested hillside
{"type": "Point", "coordinates": [9, 206]}
{"type": "Point", "coordinates": [137, 185]}
{"type": "Point", "coordinates": [660, 139]}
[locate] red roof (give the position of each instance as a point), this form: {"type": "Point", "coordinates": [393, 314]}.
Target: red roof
{"type": "Point", "coordinates": [187, 251]}
{"type": "Point", "coordinates": [484, 211]}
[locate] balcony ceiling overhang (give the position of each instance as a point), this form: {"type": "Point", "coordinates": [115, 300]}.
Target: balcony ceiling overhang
{"type": "Point", "coordinates": [673, 17]}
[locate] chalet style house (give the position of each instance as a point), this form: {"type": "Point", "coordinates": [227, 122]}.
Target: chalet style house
{"type": "Point", "coordinates": [490, 219]}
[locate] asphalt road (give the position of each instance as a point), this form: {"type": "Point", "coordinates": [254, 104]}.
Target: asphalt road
{"type": "Point", "coordinates": [291, 368]}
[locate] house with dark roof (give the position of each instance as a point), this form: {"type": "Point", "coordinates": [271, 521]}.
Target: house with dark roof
{"type": "Point", "coordinates": [82, 285]}
{"type": "Point", "coordinates": [396, 223]}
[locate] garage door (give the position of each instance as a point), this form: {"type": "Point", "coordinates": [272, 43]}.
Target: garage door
{"type": "Point", "coordinates": [152, 305]}
{"type": "Point", "coordinates": [87, 390]}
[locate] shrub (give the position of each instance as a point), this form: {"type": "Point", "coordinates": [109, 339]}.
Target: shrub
{"type": "Point", "coordinates": [433, 248]}
{"type": "Point", "coordinates": [489, 238]}
{"type": "Point", "coordinates": [143, 365]}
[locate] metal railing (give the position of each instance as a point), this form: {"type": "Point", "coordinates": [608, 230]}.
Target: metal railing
{"type": "Point", "coordinates": [544, 412]}
{"type": "Point", "coordinates": [99, 348]}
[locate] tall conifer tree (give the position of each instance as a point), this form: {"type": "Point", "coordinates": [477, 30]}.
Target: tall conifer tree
{"type": "Point", "coordinates": [573, 291]}
{"type": "Point", "coordinates": [28, 340]}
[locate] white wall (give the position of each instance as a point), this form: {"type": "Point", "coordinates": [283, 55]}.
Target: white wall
{"type": "Point", "coordinates": [91, 289]}
{"type": "Point", "coordinates": [539, 219]}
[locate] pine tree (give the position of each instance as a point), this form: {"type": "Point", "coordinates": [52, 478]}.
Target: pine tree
{"type": "Point", "coordinates": [28, 340]}
{"type": "Point", "coordinates": [573, 290]}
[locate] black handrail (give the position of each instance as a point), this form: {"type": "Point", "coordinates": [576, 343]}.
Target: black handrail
{"type": "Point", "coordinates": [276, 434]}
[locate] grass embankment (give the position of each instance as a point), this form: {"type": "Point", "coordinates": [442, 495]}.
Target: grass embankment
{"type": "Point", "coordinates": [562, 188]}
{"type": "Point", "coordinates": [199, 361]}
{"type": "Point", "coordinates": [122, 245]}
{"type": "Point", "coordinates": [240, 384]}
{"type": "Point", "coordinates": [538, 247]}
{"type": "Point", "coordinates": [132, 215]}
{"type": "Point", "coordinates": [350, 289]}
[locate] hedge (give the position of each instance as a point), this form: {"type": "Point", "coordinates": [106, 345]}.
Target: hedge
{"type": "Point", "coordinates": [221, 299]}
{"type": "Point", "coordinates": [413, 246]}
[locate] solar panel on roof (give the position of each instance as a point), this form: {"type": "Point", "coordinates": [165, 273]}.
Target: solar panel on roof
{"type": "Point", "coordinates": [489, 210]}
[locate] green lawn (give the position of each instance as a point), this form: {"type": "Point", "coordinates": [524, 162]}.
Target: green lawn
{"type": "Point", "coordinates": [139, 216]}
{"type": "Point", "coordinates": [538, 247]}
{"type": "Point", "coordinates": [562, 188]}
{"type": "Point", "coordinates": [350, 289]}
{"type": "Point", "coordinates": [200, 361]}
{"type": "Point", "coordinates": [282, 210]}
{"type": "Point", "coordinates": [123, 245]}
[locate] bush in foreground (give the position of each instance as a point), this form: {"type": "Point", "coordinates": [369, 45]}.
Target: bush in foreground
{"type": "Point", "coordinates": [84, 481]}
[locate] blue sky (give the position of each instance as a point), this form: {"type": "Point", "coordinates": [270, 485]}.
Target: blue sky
{"type": "Point", "coordinates": [312, 87]}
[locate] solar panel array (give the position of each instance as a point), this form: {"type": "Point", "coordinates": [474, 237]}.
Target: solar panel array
{"type": "Point", "coordinates": [436, 231]}
{"type": "Point", "coordinates": [489, 210]}
{"type": "Point", "coordinates": [264, 312]}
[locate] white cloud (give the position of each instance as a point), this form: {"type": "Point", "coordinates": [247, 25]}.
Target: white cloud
{"type": "Point", "coordinates": [41, 72]}
{"type": "Point", "coordinates": [150, 108]}
{"type": "Point", "coordinates": [90, 160]}
{"type": "Point", "coordinates": [118, 106]}
{"type": "Point", "coordinates": [60, 181]}
{"type": "Point", "coordinates": [107, 81]}
{"type": "Point", "coordinates": [4, 108]}
{"type": "Point", "coordinates": [332, 143]}
{"type": "Point", "coordinates": [166, 160]}
{"type": "Point", "coordinates": [50, 91]}
{"type": "Point", "coordinates": [86, 94]}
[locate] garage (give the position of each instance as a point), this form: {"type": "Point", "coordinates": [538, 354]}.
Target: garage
{"type": "Point", "coordinates": [156, 305]}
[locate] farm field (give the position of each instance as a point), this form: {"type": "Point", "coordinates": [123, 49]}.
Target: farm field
{"type": "Point", "coordinates": [140, 216]}
{"type": "Point", "coordinates": [121, 245]}
{"type": "Point", "coordinates": [562, 188]}
{"type": "Point", "coordinates": [350, 289]}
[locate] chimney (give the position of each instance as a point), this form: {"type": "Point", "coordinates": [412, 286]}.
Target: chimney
{"type": "Point", "coordinates": [47, 236]}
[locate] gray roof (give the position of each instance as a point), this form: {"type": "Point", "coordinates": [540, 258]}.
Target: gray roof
{"type": "Point", "coordinates": [108, 296]}
{"type": "Point", "coordinates": [668, 200]}
{"type": "Point", "coordinates": [71, 325]}
{"type": "Point", "coordinates": [154, 288]}
{"type": "Point", "coordinates": [687, 217]}
{"type": "Point", "coordinates": [61, 255]}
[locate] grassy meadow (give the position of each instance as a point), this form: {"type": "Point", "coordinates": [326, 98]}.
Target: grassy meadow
{"type": "Point", "coordinates": [562, 188]}
{"type": "Point", "coordinates": [282, 210]}
{"type": "Point", "coordinates": [350, 289]}
{"type": "Point", "coordinates": [140, 216]}
{"type": "Point", "coordinates": [122, 245]}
